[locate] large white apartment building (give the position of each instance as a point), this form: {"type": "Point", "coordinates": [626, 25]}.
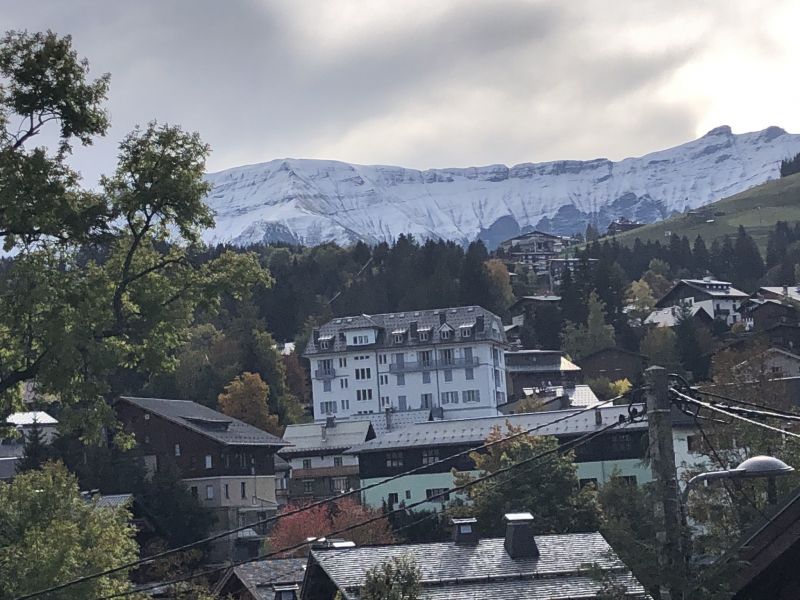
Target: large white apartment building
{"type": "Point", "coordinates": [447, 360]}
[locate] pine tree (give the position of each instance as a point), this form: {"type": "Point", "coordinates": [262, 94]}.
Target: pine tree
{"type": "Point", "coordinates": [748, 267]}
{"type": "Point", "coordinates": [700, 257]}
{"type": "Point", "coordinates": [35, 451]}
{"type": "Point", "coordinates": [688, 343]}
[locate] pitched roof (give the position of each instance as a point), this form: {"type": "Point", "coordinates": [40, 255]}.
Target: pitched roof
{"type": "Point", "coordinates": [114, 500]}
{"type": "Point", "coordinates": [668, 316]}
{"type": "Point", "coordinates": [386, 323]}
{"type": "Point", "coordinates": [27, 418]}
{"type": "Point", "coordinates": [792, 291]}
{"type": "Point", "coordinates": [611, 349]}
{"type": "Point", "coordinates": [260, 576]}
{"type": "Point", "coordinates": [206, 421]}
{"type": "Point", "coordinates": [461, 432]}
{"type": "Point", "coordinates": [309, 436]}
{"type": "Point", "coordinates": [706, 286]}
{"type": "Point", "coordinates": [579, 395]}
{"type": "Point", "coordinates": [450, 570]}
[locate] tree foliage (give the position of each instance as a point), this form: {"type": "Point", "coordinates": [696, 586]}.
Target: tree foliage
{"type": "Point", "coordinates": [245, 398]}
{"type": "Point", "coordinates": [319, 521]}
{"type": "Point", "coordinates": [396, 579]}
{"type": "Point", "coordinates": [547, 488]}
{"type": "Point", "coordinates": [49, 534]}
{"type": "Point", "coordinates": [101, 282]}
{"type": "Point", "coordinates": [582, 340]}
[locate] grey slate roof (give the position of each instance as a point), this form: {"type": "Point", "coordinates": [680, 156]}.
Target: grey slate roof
{"type": "Point", "coordinates": [574, 587]}
{"type": "Point", "coordinates": [259, 576]}
{"type": "Point", "coordinates": [458, 432]}
{"type": "Point", "coordinates": [114, 500]}
{"type": "Point", "coordinates": [456, 317]}
{"type": "Point", "coordinates": [399, 420]}
{"type": "Point", "coordinates": [563, 559]}
{"type": "Point", "coordinates": [206, 421]}
{"type": "Point", "coordinates": [308, 436]}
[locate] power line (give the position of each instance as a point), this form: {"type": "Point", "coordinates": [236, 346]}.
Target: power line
{"type": "Point", "coordinates": [723, 465]}
{"type": "Point", "coordinates": [735, 415]}
{"type": "Point", "coordinates": [558, 449]}
{"type": "Point", "coordinates": [766, 409]}
{"type": "Point", "coordinates": [421, 468]}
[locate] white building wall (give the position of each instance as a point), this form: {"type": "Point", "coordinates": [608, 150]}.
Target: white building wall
{"type": "Point", "coordinates": [334, 380]}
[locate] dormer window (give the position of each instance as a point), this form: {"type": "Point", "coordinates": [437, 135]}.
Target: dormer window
{"type": "Point", "coordinates": [444, 334]}
{"type": "Point", "coordinates": [398, 338]}
{"type": "Point", "coordinates": [324, 345]}
{"type": "Point", "coordinates": [466, 332]}
{"type": "Point", "coordinates": [423, 336]}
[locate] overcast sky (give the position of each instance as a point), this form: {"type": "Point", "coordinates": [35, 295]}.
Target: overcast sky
{"type": "Point", "coordinates": [432, 83]}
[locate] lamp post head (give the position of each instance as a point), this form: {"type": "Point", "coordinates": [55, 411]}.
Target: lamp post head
{"type": "Point", "coordinates": [763, 466]}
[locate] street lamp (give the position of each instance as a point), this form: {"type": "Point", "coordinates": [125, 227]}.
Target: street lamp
{"type": "Point", "coordinates": [758, 466]}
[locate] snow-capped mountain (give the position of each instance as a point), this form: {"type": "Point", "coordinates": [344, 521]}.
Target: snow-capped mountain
{"type": "Point", "coordinates": [314, 201]}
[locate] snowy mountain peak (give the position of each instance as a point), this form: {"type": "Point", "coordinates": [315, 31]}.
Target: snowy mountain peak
{"type": "Point", "coordinates": [306, 201]}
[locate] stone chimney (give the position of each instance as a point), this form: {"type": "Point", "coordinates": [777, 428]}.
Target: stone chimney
{"type": "Point", "coordinates": [315, 335]}
{"type": "Point", "coordinates": [389, 418]}
{"type": "Point", "coordinates": [480, 323]}
{"type": "Point", "coordinates": [442, 318]}
{"type": "Point", "coordinates": [413, 329]}
{"type": "Point", "coordinates": [520, 542]}
{"type": "Point", "coordinates": [465, 531]}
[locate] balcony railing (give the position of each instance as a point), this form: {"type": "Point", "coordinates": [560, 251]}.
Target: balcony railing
{"type": "Point", "coordinates": [429, 365]}
{"type": "Point", "coordinates": [325, 373]}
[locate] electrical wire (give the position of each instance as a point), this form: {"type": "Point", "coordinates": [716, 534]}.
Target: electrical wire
{"type": "Point", "coordinates": [725, 482]}
{"type": "Point", "coordinates": [565, 447]}
{"type": "Point", "coordinates": [733, 414]}
{"type": "Point", "coordinates": [306, 507]}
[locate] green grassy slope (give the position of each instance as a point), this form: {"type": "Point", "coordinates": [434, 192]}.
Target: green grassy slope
{"type": "Point", "coordinates": [757, 209]}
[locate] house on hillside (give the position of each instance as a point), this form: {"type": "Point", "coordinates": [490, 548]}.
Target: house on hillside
{"type": "Point", "coordinates": [320, 467]}
{"type": "Point", "coordinates": [621, 225]}
{"type": "Point", "coordinates": [228, 465]}
{"type": "Point", "coordinates": [718, 298]}
{"type": "Point", "coordinates": [760, 314]}
{"type": "Point", "coordinates": [538, 369]}
{"type": "Point", "coordinates": [271, 579]}
{"type": "Point", "coordinates": [518, 565]}
{"type": "Point", "coordinates": [790, 293]}
{"type": "Point", "coordinates": [535, 248]}
{"type": "Point", "coordinates": [773, 363]}
{"type": "Point", "coordinates": [614, 364]}
{"type": "Point", "coordinates": [448, 361]}
{"type": "Point", "coordinates": [427, 443]}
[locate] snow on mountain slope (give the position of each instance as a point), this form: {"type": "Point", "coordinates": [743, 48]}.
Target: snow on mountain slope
{"type": "Point", "coordinates": [314, 201]}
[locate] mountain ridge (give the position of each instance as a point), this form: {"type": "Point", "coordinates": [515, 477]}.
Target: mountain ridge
{"type": "Point", "coordinates": [312, 201]}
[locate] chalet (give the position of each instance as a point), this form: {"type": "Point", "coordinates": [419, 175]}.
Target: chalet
{"type": "Point", "coordinates": [427, 443]}
{"type": "Point", "coordinates": [271, 579]}
{"type": "Point", "coordinates": [783, 335]}
{"type": "Point", "coordinates": [621, 225]}
{"type": "Point", "coordinates": [525, 302]}
{"type": "Point", "coordinates": [759, 314]}
{"type": "Point", "coordinates": [789, 293]}
{"type": "Point", "coordinates": [538, 369]}
{"type": "Point", "coordinates": [519, 565]}
{"type": "Point", "coordinates": [558, 266]}
{"type": "Point", "coordinates": [773, 363]}
{"type": "Point", "coordinates": [718, 298]}
{"type": "Point", "coordinates": [320, 467]}
{"type": "Point", "coordinates": [613, 364]}
{"type": "Point", "coordinates": [535, 248]}
{"type": "Point", "coordinates": [228, 465]}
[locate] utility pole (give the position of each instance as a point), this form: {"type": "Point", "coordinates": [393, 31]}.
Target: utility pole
{"type": "Point", "coordinates": [671, 564]}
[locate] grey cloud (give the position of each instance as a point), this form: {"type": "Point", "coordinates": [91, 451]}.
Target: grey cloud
{"type": "Point", "coordinates": [476, 82]}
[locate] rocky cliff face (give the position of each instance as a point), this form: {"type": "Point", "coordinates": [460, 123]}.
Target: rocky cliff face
{"type": "Point", "coordinates": [314, 201]}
